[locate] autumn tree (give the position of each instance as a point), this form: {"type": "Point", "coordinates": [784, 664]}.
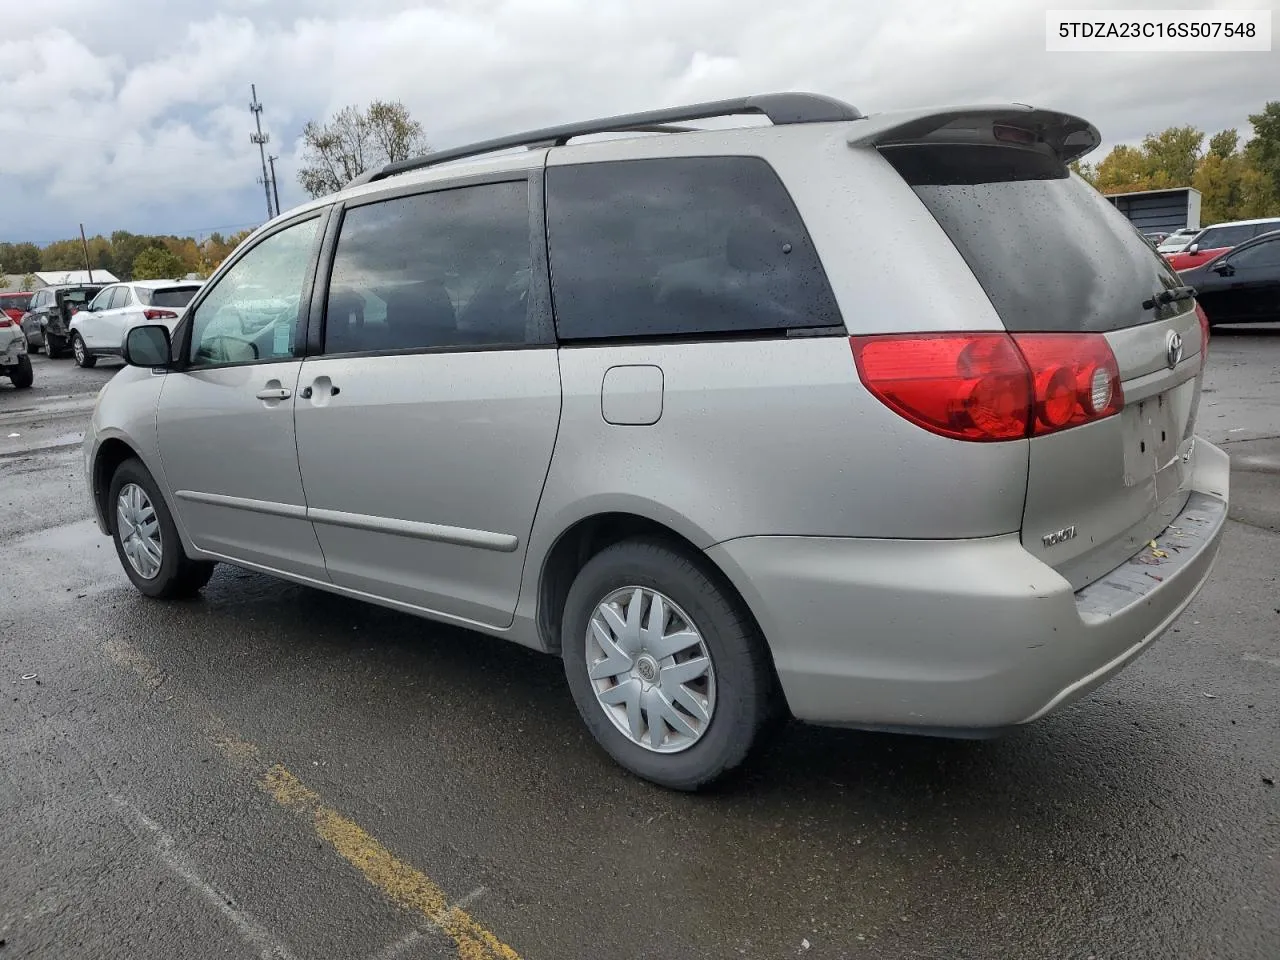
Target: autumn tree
{"type": "Point", "coordinates": [1263, 151]}
{"type": "Point", "coordinates": [157, 263]}
{"type": "Point", "coordinates": [336, 152]}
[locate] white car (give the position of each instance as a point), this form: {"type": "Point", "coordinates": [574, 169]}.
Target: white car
{"type": "Point", "coordinates": [14, 361]}
{"type": "Point", "coordinates": [99, 329]}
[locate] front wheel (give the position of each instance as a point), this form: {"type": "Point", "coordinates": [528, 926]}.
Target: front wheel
{"type": "Point", "coordinates": [22, 375]}
{"type": "Point", "coordinates": [146, 537]}
{"type": "Point", "coordinates": [669, 672]}
{"type": "Point", "coordinates": [83, 357]}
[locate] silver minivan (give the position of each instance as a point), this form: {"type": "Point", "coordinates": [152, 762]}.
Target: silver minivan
{"type": "Point", "coordinates": [884, 422]}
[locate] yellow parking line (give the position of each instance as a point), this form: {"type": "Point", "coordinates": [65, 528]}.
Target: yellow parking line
{"type": "Point", "coordinates": [400, 882]}
{"type": "Point", "coordinates": [407, 887]}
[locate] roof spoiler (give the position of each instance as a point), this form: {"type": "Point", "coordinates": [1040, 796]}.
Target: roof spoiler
{"type": "Point", "coordinates": [1069, 137]}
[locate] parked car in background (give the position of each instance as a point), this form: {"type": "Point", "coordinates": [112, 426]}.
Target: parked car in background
{"type": "Point", "coordinates": [1177, 241]}
{"type": "Point", "coordinates": [14, 304]}
{"type": "Point", "coordinates": [100, 328]}
{"type": "Point", "coordinates": [646, 404]}
{"type": "Point", "coordinates": [15, 363]}
{"type": "Point", "coordinates": [47, 322]}
{"type": "Point", "coordinates": [1242, 285]}
{"type": "Point", "coordinates": [1211, 242]}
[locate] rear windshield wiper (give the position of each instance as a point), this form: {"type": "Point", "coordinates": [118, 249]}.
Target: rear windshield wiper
{"type": "Point", "coordinates": [1165, 297]}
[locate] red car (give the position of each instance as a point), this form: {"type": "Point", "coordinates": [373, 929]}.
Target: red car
{"type": "Point", "coordinates": [14, 305]}
{"type": "Point", "coordinates": [1218, 239]}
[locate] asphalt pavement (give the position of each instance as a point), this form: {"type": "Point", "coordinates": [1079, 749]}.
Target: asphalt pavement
{"type": "Point", "coordinates": [269, 771]}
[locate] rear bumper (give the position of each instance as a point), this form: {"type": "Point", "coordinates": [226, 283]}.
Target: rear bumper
{"type": "Point", "coordinates": [959, 636]}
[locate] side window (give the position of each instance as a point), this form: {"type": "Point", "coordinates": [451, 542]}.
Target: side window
{"type": "Point", "coordinates": [444, 269]}
{"type": "Point", "coordinates": [102, 300]}
{"type": "Point", "coordinates": [690, 245]}
{"type": "Point", "coordinates": [252, 312]}
{"type": "Point", "coordinates": [1225, 237]}
{"type": "Point", "coordinates": [1265, 254]}
{"type": "Point", "coordinates": [122, 298]}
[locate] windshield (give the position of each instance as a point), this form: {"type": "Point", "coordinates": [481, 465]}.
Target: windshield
{"type": "Point", "coordinates": [1175, 243]}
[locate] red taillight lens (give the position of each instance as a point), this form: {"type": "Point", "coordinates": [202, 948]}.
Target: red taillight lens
{"type": "Point", "coordinates": [1204, 334]}
{"type": "Point", "coordinates": [159, 314]}
{"type": "Point", "coordinates": [967, 386]}
{"type": "Point", "coordinates": [5, 321]}
{"type": "Point", "coordinates": [1076, 377]}
{"type": "Point", "coordinates": [992, 386]}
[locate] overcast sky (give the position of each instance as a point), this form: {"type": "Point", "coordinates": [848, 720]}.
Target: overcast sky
{"type": "Point", "coordinates": [132, 114]}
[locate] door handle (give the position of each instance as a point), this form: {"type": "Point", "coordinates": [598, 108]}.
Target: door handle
{"type": "Point", "coordinates": [273, 393]}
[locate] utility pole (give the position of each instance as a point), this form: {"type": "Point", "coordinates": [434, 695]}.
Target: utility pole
{"type": "Point", "coordinates": [261, 140]}
{"type": "Point", "coordinates": [85, 244]}
{"type": "Point", "coordinates": [275, 187]}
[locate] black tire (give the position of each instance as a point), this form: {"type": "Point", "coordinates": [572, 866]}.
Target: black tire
{"type": "Point", "coordinates": [54, 346]}
{"type": "Point", "coordinates": [22, 375]}
{"type": "Point", "coordinates": [744, 679]}
{"type": "Point", "coordinates": [83, 357]}
{"type": "Point", "coordinates": [179, 576]}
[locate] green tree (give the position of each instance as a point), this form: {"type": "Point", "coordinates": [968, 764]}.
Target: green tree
{"type": "Point", "coordinates": [157, 263]}
{"type": "Point", "coordinates": [4, 281]}
{"type": "Point", "coordinates": [1172, 155]}
{"type": "Point", "coordinates": [337, 151]}
{"type": "Point", "coordinates": [20, 257]}
{"type": "Point", "coordinates": [1263, 151]}
{"type": "Point", "coordinates": [1124, 169]}
{"type": "Point", "coordinates": [1086, 170]}
{"type": "Point", "coordinates": [29, 281]}
{"type": "Point", "coordinates": [1223, 144]}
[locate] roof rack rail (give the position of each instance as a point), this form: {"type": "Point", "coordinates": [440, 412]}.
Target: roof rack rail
{"type": "Point", "coordinates": [780, 108]}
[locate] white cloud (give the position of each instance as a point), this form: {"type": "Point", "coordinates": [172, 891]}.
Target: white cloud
{"type": "Point", "coordinates": [140, 122]}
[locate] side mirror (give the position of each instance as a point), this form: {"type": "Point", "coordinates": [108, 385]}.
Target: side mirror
{"type": "Point", "coordinates": [148, 346]}
{"type": "Point", "coordinates": [1223, 269]}
{"type": "Point", "coordinates": [1193, 249]}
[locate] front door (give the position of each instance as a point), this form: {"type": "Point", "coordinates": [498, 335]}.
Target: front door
{"type": "Point", "coordinates": [427, 421]}
{"type": "Point", "coordinates": [96, 318]}
{"type": "Point", "coordinates": [226, 419]}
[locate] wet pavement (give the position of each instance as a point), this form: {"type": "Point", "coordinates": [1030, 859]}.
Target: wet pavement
{"type": "Point", "coordinates": [270, 771]}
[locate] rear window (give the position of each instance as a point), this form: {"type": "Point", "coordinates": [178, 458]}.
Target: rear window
{"type": "Point", "coordinates": [1051, 253]}
{"type": "Point", "coordinates": [168, 297]}
{"type": "Point", "coordinates": [680, 247]}
{"type": "Point", "coordinates": [78, 296]}
{"type": "Point", "coordinates": [19, 301]}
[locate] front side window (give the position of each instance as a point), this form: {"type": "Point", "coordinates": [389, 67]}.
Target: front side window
{"type": "Point", "coordinates": [433, 270]}
{"type": "Point", "coordinates": [103, 300]}
{"type": "Point", "coordinates": [252, 312]}
{"type": "Point", "coordinates": [1265, 254]}
{"type": "Point", "coordinates": [680, 246]}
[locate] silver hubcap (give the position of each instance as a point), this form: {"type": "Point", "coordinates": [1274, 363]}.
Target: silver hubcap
{"type": "Point", "coordinates": [79, 348]}
{"type": "Point", "coordinates": [138, 528]}
{"type": "Point", "coordinates": [650, 669]}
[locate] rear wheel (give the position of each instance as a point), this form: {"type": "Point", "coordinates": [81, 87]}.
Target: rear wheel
{"type": "Point", "coordinates": [146, 538]}
{"type": "Point", "coordinates": [54, 346]}
{"type": "Point", "coordinates": [83, 357]}
{"type": "Point", "coordinates": [21, 375]}
{"type": "Point", "coordinates": [668, 671]}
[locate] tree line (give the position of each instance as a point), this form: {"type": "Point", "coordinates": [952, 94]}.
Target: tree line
{"type": "Point", "coordinates": [1237, 181]}
{"type": "Point", "coordinates": [128, 256]}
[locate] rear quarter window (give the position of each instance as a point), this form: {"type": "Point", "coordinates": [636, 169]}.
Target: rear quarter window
{"type": "Point", "coordinates": [679, 247]}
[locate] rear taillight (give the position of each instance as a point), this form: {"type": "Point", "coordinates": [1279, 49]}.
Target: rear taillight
{"type": "Point", "coordinates": [1204, 334]}
{"type": "Point", "coordinates": [5, 321]}
{"type": "Point", "coordinates": [992, 386]}
{"type": "Point", "coordinates": [159, 314]}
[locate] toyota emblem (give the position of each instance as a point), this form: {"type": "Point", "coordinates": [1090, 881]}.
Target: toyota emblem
{"type": "Point", "coordinates": [1173, 348]}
